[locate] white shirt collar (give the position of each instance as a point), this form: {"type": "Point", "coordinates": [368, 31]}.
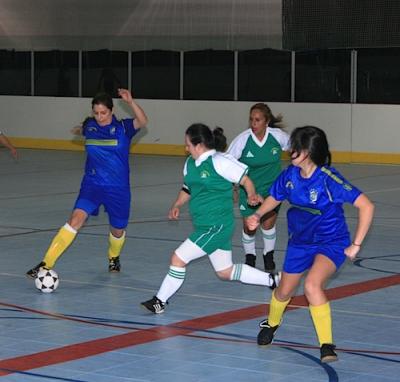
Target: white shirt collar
{"type": "Point", "coordinates": [203, 157]}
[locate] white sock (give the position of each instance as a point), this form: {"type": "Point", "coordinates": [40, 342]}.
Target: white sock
{"type": "Point", "coordinates": [269, 239]}
{"type": "Point", "coordinates": [249, 243]}
{"type": "Point", "coordinates": [249, 275]}
{"type": "Point", "coordinates": [171, 283]}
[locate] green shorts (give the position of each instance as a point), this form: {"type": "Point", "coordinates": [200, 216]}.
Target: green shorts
{"type": "Point", "coordinates": [211, 238]}
{"type": "Point", "coordinates": [245, 209]}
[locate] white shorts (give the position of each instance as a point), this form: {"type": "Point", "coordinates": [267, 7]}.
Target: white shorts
{"type": "Point", "coordinates": [220, 259]}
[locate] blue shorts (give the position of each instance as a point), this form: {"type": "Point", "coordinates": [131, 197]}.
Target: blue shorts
{"type": "Point", "coordinates": [299, 258]}
{"type": "Point", "coordinates": [116, 201]}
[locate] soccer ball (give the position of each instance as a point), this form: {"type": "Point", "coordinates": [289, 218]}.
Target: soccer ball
{"type": "Point", "coordinates": [47, 280]}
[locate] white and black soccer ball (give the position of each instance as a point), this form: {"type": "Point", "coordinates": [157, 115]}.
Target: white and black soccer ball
{"type": "Point", "coordinates": [47, 280]}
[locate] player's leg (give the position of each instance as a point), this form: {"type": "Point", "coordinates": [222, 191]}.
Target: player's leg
{"type": "Point", "coordinates": [116, 241]}
{"type": "Point", "coordinates": [221, 261]}
{"type": "Point", "coordinates": [279, 301]}
{"type": "Point", "coordinates": [63, 239]}
{"type": "Point", "coordinates": [297, 261]}
{"type": "Point", "coordinates": [322, 269]}
{"type": "Point", "coordinates": [175, 277]}
{"type": "Point", "coordinates": [268, 230]}
{"type": "Point", "coordinates": [116, 202]}
{"type": "Point", "coordinates": [248, 235]}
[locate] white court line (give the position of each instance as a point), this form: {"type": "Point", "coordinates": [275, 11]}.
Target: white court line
{"type": "Point", "coordinates": [212, 297]}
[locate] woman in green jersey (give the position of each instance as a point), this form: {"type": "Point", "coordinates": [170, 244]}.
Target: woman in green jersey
{"type": "Point", "coordinates": [260, 148]}
{"type": "Point", "coordinates": [208, 177]}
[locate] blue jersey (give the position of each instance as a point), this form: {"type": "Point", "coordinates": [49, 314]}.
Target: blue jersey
{"type": "Point", "coordinates": [107, 148]}
{"type": "Point", "coordinates": [316, 214]}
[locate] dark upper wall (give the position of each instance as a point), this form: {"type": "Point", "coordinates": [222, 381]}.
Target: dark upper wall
{"type": "Point", "coordinates": [140, 24]}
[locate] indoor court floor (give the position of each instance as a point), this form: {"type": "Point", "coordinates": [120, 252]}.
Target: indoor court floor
{"type": "Point", "coordinates": [92, 329]}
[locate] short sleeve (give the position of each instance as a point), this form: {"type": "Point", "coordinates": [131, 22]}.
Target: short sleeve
{"type": "Point", "coordinates": [282, 137]}
{"type": "Point", "coordinates": [228, 167]}
{"type": "Point", "coordinates": [238, 144]}
{"type": "Point", "coordinates": [129, 126]}
{"type": "Point", "coordinates": [279, 189]}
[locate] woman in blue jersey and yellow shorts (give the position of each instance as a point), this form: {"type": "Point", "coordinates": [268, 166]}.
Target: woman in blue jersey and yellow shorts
{"type": "Point", "coordinates": [106, 178]}
{"type": "Point", "coordinates": [319, 240]}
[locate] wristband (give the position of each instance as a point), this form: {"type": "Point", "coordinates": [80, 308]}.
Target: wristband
{"type": "Point", "coordinates": [357, 245]}
{"type": "Point", "coordinates": [258, 215]}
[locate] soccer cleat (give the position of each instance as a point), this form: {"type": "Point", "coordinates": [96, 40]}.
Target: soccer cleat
{"type": "Point", "coordinates": [269, 263]}
{"type": "Point", "coordinates": [250, 260]}
{"type": "Point", "coordinates": [275, 279]}
{"type": "Point", "coordinates": [266, 335]}
{"type": "Point", "coordinates": [32, 273]}
{"type": "Point", "coordinates": [328, 353]}
{"type": "Point", "coordinates": [114, 264]}
{"type": "Point", "coordinates": [154, 305]}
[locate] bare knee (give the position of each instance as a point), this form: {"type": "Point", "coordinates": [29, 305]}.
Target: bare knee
{"type": "Point", "coordinates": [247, 230]}
{"type": "Point", "coordinates": [311, 287]}
{"type": "Point", "coordinates": [283, 294]}
{"type": "Point", "coordinates": [176, 261]}
{"type": "Point", "coordinates": [77, 219]}
{"type": "Point", "coordinates": [225, 274]}
{"type": "Point", "coordinates": [116, 232]}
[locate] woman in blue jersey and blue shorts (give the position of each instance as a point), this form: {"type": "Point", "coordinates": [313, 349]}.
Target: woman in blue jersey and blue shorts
{"type": "Point", "coordinates": [319, 240]}
{"type": "Point", "coordinates": [208, 177]}
{"type": "Point", "coordinates": [106, 178]}
{"type": "Point", "coordinates": [260, 148]}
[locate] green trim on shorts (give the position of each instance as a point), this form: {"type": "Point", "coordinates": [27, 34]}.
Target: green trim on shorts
{"type": "Point", "coordinates": [211, 238]}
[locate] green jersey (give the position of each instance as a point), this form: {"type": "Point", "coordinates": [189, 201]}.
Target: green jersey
{"type": "Point", "coordinates": [263, 159]}
{"type": "Point", "coordinates": [208, 180]}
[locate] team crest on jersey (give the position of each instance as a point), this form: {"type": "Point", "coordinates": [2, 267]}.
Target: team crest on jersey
{"type": "Point", "coordinates": [204, 174]}
{"type": "Point", "coordinates": [313, 196]}
{"type": "Point", "coordinates": [112, 131]}
{"type": "Point", "coordinates": [289, 184]}
{"type": "Point", "coordinates": [249, 155]}
{"type": "Point", "coordinates": [274, 151]}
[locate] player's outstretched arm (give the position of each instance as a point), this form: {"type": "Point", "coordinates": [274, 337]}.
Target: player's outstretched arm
{"type": "Point", "coordinates": [268, 204]}
{"type": "Point", "coordinates": [140, 115]}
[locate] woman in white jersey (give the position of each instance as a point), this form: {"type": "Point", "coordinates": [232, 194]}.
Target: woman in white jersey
{"type": "Point", "coordinates": [208, 177]}
{"type": "Point", "coordinates": [260, 148]}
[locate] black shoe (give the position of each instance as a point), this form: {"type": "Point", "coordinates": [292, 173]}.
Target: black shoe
{"type": "Point", "coordinates": [250, 260]}
{"type": "Point", "coordinates": [328, 353]}
{"type": "Point", "coordinates": [269, 263]}
{"type": "Point", "coordinates": [114, 264]}
{"type": "Point", "coordinates": [154, 305]}
{"type": "Point", "coordinates": [275, 279]}
{"type": "Point", "coordinates": [266, 335]}
{"type": "Point", "coordinates": [32, 273]}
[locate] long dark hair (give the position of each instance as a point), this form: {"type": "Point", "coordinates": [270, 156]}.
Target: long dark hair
{"type": "Point", "coordinates": [103, 99]}
{"type": "Point", "coordinates": [200, 133]}
{"type": "Point", "coordinates": [313, 140]}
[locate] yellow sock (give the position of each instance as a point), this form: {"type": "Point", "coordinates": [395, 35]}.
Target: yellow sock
{"type": "Point", "coordinates": [60, 243]}
{"type": "Point", "coordinates": [321, 316]}
{"type": "Point", "coordinates": [276, 309]}
{"type": "Point", "coordinates": [115, 245]}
